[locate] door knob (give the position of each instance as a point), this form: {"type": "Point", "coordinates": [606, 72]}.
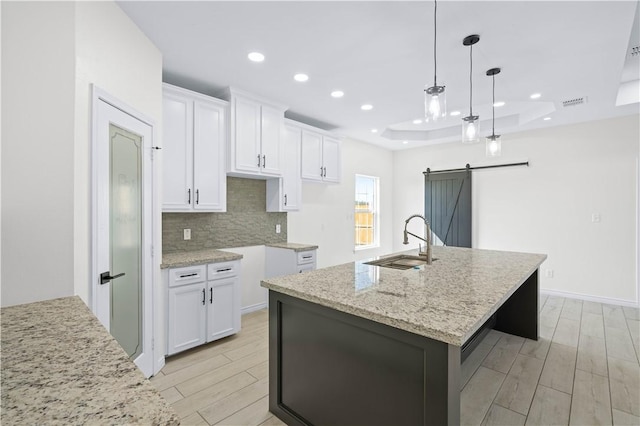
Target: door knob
{"type": "Point", "coordinates": [105, 277]}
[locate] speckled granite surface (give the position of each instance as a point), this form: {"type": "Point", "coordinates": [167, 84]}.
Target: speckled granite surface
{"type": "Point", "coordinates": [60, 366]}
{"type": "Point", "coordinates": [294, 246]}
{"type": "Point", "coordinates": [447, 301]}
{"type": "Point", "coordinates": [189, 258]}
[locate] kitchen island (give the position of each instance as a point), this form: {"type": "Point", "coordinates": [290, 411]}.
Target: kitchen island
{"type": "Point", "coordinates": [364, 344]}
{"type": "Point", "coordinates": [61, 366]}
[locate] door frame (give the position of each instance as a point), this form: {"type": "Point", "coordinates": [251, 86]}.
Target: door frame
{"type": "Point", "coordinates": [150, 313]}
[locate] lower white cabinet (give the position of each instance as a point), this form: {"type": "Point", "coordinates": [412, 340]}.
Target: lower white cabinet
{"type": "Point", "coordinates": [203, 304]}
{"type": "Point", "coordinates": [282, 261]}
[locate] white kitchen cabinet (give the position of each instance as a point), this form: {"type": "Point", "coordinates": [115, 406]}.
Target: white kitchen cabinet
{"type": "Point", "coordinates": [255, 146]}
{"type": "Point", "coordinates": [203, 304]}
{"type": "Point", "coordinates": [285, 194]}
{"type": "Point", "coordinates": [284, 261]}
{"type": "Point", "coordinates": [194, 144]}
{"type": "Point", "coordinates": [320, 157]}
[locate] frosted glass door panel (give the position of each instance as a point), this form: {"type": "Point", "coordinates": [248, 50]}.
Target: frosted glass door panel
{"type": "Point", "coordinates": [126, 236]}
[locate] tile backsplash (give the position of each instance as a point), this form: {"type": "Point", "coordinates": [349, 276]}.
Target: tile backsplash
{"type": "Point", "coordinates": [246, 222]}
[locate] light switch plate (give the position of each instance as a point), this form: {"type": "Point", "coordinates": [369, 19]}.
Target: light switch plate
{"type": "Point", "coordinates": [278, 229]}
{"type": "Point", "coordinates": [187, 233]}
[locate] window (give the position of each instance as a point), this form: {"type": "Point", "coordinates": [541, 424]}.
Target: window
{"type": "Point", "coordinates": [366, 212]}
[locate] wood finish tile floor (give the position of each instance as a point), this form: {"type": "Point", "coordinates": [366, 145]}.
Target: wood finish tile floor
{"type": "Point", "coordinates": [584, 370]}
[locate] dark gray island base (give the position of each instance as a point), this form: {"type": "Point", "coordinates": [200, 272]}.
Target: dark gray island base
{"type": "Point", "coordinates": [337, 367]}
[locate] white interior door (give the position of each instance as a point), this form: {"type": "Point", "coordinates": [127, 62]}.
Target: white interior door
{"type": "Point", "coordinates": [122, 237]}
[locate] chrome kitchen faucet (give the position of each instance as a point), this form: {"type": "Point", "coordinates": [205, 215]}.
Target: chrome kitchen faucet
{"type": "Point", "coordinates": [426, 239]}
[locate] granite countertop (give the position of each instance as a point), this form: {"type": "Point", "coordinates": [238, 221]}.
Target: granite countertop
{"type": "Point", "coordinates": [177, 260]}
{"type": "Point", "coordinates": [61, 366]}
{"type": "Point", "coordinates": [294, 246]}
{"type": "Point", "coordinates": [447, 301]}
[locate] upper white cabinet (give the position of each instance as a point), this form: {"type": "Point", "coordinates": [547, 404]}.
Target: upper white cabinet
{"type": "Point", "coordinates": [320, 157]}
{"type": "Point", "coordinates": [194, 139]}
{"type": "Point", "coordinates": [285, 194]}
{"type": "Point", "coordinates": [255, 146]}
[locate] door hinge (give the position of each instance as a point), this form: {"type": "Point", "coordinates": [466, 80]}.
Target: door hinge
{"type": "Point", "coordinates": [152, 252]}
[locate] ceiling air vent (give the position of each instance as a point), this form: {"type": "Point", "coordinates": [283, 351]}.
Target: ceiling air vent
{"type": "Point", "coordinates": [574, 101]}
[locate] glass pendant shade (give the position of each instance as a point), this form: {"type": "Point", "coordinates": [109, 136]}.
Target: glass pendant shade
{"type": "Point", "coordinates": [471, 129]}
{"type": "Point", "coordinates": [494, 146]}
{"type": "Point", "coordinates": [471, 123]}
{"type": "Point", "coordinates": [435, 103]}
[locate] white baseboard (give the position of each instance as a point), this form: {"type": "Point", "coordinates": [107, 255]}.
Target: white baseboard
{"type": "Point", "coordinates": [159, 365]}
{"type": "Point", "coordinates": [251, 308]}
{"type": "Point", "coordinates": [589, 298]}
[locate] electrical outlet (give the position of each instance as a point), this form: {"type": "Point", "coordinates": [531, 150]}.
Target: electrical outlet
{"type": "Point", "coordinates": [549, 273]}
{"type": "Point", "coordinates": [187, 234]}
{"type": "Point", "coordinates": [278, 229]}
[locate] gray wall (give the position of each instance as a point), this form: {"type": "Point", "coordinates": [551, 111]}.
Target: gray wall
{"type": "Point", "coordinates": [246, 222]}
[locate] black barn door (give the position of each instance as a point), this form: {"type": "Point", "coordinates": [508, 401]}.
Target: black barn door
{"type": "Point", "coordinates": [447, 206]}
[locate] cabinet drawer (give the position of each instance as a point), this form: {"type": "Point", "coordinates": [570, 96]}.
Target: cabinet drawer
{"type": "Point", "coordinates": [222, 270]}
{"type": "Point", "coordinates": [306, 268]}
{"type": "Point", "coordinates": [306, 257]}
{"type": "Point", "coordinates": [187, 275]}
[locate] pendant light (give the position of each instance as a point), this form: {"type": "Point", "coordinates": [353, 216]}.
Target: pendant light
{"type": "Point", "coordinates": [470, 123]}
{"type": "Point", "coordinates": [435, 99]}
{"type": "Point", "coordinates": [493, 142]}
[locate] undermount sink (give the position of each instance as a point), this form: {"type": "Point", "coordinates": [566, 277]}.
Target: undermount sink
{"type": "Point", "coordinates": [402, 261]}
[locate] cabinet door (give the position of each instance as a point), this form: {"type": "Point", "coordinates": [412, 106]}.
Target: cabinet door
{"type": "Point", "coordinates": [331, 159]}
{"type": "Point", "coordinates": [221, 313]}
{"type": "Point", "coordinates": [187, 317]}
{"type": "Point", "coordinates": [247, 155]}
{"type": "Point", "coordinates": [291, 182]}
{"type": "Point", "coordinates": [311, 165]}
{"type": "Point", "coordinates": [272, 122]}
{"type": "Point", "coordinates": [209, 179]}
{"type": "Point", "coordinates": [177, 152]}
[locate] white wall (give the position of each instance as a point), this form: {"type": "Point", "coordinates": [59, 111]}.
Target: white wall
{"type": "Point", "coordinates": [38, 60]}
{"type": "Point", "coordinates": [575, 171]}
{"type": "Point", "coordinates": [326, 218]}
{"type": "Point", "coordinates": [113, 54]}
{"type": "Point", "coordinates": [51, 53]}
{"type": "Point", "coordinates": [253, 296]}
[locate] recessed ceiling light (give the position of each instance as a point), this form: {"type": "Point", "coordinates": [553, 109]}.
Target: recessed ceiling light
{"type": "Point", "coordinates": [366, 107]}
{"type": "Point", "coordinates": [374, 130]}
{"type": "Point", "coordinates": [454, 113]}
{"type": "Point", "coordinates": [417, 121]}
{"type": "Point", "coordinates": [405, 142]}
{"type": "Point", "coordinates": [337, 93]}
{"type": "Point", "coordinates": [547, 118]}
{"type": "Point", "coordinates": [498, 104]}
{"type": "Point", "coordinates": [535, 96]}
{"type": "Point", "coordinates": [301, 77]}
{"type": "Point", "coordinates": [256, 56]}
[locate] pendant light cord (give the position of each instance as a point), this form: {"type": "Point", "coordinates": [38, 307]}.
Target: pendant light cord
{"type": "Point", "coordinates": [493, 107]}
{"type": "Point", "coordinates": [435, 38]}
{"type": "Point", "coordinates": [471, 81]}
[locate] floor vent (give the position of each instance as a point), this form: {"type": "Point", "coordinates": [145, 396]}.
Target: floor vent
{"type": "Point", "coordinates": [574, 101]}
